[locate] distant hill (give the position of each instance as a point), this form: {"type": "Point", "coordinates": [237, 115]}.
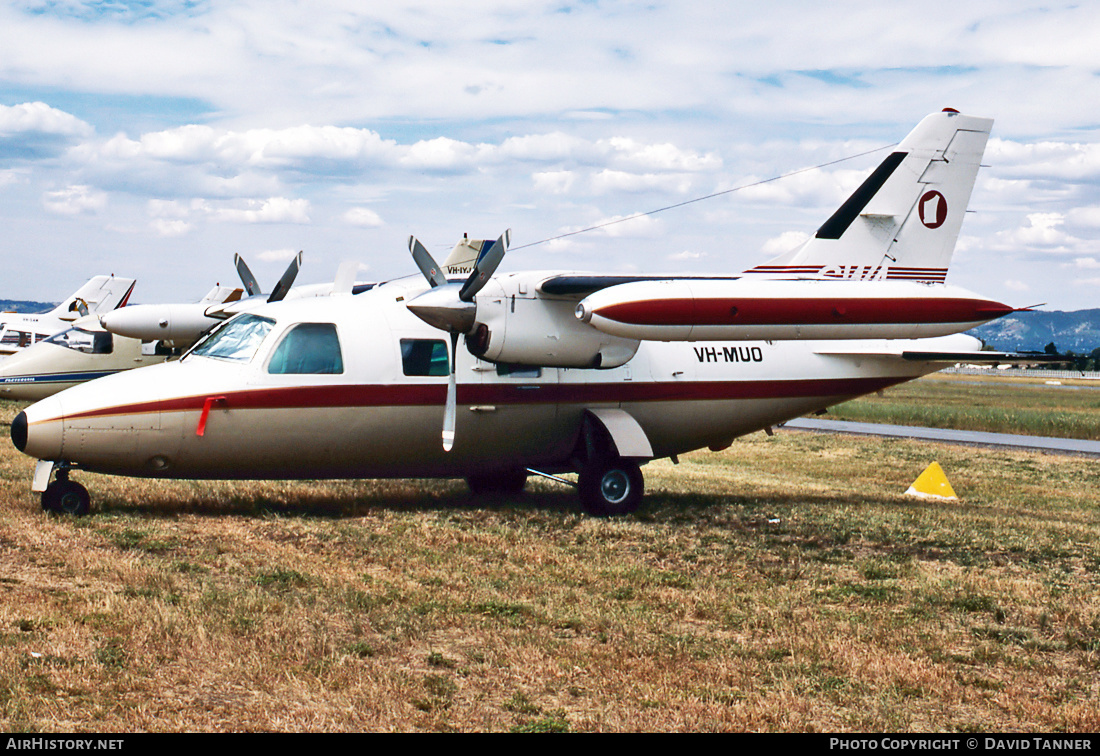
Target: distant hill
{"type": "Point", "coordinates": [19, 305]}
{"type": "Point", "coordinates": [1077, 331]}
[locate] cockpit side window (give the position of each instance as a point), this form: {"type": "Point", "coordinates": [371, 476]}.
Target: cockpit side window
{"type": "Point", "coordinates": [424, 357]}
{"type": "Point", "coordinates": [237, 340]}
{"type": "Point", "coordinates": [308, 348]}
{"type": "Point", "coordinates": [88, 342]}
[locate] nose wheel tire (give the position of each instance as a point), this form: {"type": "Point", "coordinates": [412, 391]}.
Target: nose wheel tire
{"type": "Point", "coordinates": [66, 497]}
{"type": "Point", "coordinates": [611, 487]}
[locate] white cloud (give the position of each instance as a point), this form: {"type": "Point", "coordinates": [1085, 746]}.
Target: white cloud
{"type": "Point", "coordinates": [785, 242]}
{"type": "Point", "coordinates": [659, 157]}
{"type": "Point", "coordinates": [687, 255]}
{"type": "Point", "coordinates": [272, 210]}
{"type": "Point", "coordinates": [629, 227]}
{"type": "Point", "coordinates": [13, 176]}
{"type": "Point", "coordinates": [1043, 231]}
{"type": "Point", "coordinates": [1066, 161]}
{"type": "Point", "coordinates": [41, 118]}
{"type": "Point", "coordinates": [277, 255]}
{"type": "Point", "coordinates": [363, 216]}
{"type": "Point", "coordinates": [553, 182]}
{"type": "Point", "coordinates": [167, 227]}
{"type": "Point", "coordinates": [620, 181]}
{"type": "Point", "coordinates": [74, 200]}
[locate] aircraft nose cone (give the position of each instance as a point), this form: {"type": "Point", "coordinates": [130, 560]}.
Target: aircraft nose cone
{"type": "Point", "coordinates": [37, 430]}
{"type": "Point", "coordinates": [19, 431]}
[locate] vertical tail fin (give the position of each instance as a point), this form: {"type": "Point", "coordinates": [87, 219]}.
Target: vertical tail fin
{"type": "Point", "coordinates": [100, 295]}
{"type": "Point", "coordinates": [903, 221]}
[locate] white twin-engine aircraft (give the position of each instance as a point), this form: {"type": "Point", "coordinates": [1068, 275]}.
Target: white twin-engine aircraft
{"type": "Point", "coordinates": [562, 372]}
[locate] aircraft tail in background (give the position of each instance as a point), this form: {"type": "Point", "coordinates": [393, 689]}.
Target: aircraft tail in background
{"type": "Point", "coordinates": [100, 295]}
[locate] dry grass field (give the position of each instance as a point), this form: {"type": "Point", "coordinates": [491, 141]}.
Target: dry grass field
{"type": "Point", "coordinates": [785, 584]}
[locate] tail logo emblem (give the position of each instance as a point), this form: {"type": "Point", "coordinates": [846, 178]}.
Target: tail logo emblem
{"type": "Point", "coordinates": [932, 209]}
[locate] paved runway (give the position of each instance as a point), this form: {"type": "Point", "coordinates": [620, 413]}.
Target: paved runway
{"type": "Point", "coordinates": [1041, 443]}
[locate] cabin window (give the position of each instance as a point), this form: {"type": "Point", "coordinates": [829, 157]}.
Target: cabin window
{"type": "Point", "coordinates": [424, 357]}
{"type": "Point", "coordinates": [88, 342]}
{"type": "Point", "coordinates": [237, 340]}
{"type": "Point", "coordinates": [308, 348]}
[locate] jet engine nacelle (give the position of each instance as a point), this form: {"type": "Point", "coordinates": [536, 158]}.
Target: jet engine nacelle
{"type": "Point", "coordinates": [174, 323]}
{"type": "Point", "coordinates": [518, 324]}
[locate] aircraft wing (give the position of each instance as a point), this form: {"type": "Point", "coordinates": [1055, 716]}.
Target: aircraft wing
{"type": "Point", "coordinates": [581, 285]}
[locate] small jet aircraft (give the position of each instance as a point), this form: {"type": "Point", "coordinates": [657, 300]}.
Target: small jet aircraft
{"type": "Point", "coordinates": [87, 351]}
{"type": "Point", "coordinates": [562, 372]}
{"type": "Point", "coordinates": [81, 353]}
{"type": "Point", "coordinates": [100, 295]}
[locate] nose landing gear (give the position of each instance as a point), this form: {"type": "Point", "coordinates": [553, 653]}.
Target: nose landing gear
{"type": "Point", "coordinates": [65, 496]}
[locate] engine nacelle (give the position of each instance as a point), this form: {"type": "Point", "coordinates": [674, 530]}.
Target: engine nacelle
{"type": "Point", "coordinates": [518, 324]}
{"type": "Point", "coordinates": [173, 323]}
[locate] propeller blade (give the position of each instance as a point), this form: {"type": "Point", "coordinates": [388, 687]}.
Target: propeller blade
{"type": "Point", "coordinates": [287, 280]}
{"type": "Point", "coordinates": [452, 402]}
{"type": "Point", "coordinates": [485, 266]}
{"type": "Point", "coordinates": [426, 263]}
{"type": "Point", "coordinates": [247, 278]}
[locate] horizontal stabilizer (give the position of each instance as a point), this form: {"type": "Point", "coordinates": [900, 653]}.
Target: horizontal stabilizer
{"type": "Point", "coordinates": [948, 350]}
{"type": "Point", "coordinates": [995, 358]}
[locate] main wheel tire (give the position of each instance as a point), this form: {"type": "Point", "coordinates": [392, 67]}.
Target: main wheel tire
{"type": "Point", "coordinates": [505, 483]}
{"type": "Point", "coordinates": [611, 487]}
{"type": "Point", "coordinates": [66, 497]}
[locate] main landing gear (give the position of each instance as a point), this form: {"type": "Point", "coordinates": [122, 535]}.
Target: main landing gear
{"type": "Point", "coordinates": [611, 486]}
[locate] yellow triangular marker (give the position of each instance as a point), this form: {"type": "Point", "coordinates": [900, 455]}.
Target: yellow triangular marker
{"type": "Point", "coordinates": [932, 483]}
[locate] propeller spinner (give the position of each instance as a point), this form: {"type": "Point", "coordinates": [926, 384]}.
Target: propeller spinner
{"type": "Point", "coordinates": [452, 307]}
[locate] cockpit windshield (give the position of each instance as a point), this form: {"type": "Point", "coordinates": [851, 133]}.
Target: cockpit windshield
{"type": "Point", "coordinates": [88, 342]}
{"type": "Point", "coordinates": [237, 340]}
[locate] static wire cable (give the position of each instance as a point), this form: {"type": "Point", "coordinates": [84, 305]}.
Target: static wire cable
{"type": "Point", "coordinates": [707, 197]}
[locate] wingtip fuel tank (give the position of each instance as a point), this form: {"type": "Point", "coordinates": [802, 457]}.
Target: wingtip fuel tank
{"type": "Point", "coordinates": [749, 309]}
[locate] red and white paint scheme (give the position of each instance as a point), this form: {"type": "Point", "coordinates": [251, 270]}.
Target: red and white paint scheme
{"type": "Point", "coordinates": [750, 309]}
{"type": "Point", "coordinates": [375, 384]}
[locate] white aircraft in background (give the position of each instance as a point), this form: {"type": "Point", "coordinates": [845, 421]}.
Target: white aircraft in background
{"type": "Point", "coordinates": [87, 351]}
{"type": "Point", "coordinates": [562, 372]}
{"type": "Point", "coordinates": [134, 336]}
{"type": "Point", "coordinates": [100, 295]}
{"type": "Point", "coordinates": [179, 325]}
{"type": "Point", "coordinates": [70, 357]}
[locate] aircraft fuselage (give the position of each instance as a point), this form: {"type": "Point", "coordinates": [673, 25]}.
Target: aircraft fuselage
{"type": "Point", "coordinates": [211, 417]}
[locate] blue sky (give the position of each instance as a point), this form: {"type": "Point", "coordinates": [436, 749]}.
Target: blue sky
{"type": "Point", "coordinates": [156, 139]}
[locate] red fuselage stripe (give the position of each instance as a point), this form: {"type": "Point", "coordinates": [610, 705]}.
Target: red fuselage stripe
{"type": "Point", "coordinates": [801, 311]}
{"type": "Point", "coordinates": [355, 396]}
